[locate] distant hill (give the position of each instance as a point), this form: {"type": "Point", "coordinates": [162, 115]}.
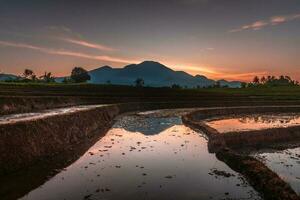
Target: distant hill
{"type": "Point", "coordinates": [7, 77]}
{"type": "Point", "coordinates": [154, 74]}
{"type": "Point", "coordinates": [231, 84]}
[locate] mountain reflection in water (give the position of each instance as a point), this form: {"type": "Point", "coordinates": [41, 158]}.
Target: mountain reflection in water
{"type": "Point", "coordinates": [146, 158]}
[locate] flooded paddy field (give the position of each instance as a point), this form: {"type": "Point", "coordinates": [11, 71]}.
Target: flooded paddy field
{"type": "Point", "coordinates": [254, 122]}
{"type": "Point", "coordinates": [149, 155]}
{"type": "Point", "coordinates": [7, 119]}
{"type": "Point", "coordinates": [286, 163]}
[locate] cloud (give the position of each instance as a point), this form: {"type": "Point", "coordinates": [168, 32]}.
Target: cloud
{"type": "Point", "coordinates": [88, 44]}
{"type": "Point", "coordinates": [273, 21]}
{"type": "Point", "coordinates": [67, 53]}
{"type": "Point", "coordinates": [66, 34]}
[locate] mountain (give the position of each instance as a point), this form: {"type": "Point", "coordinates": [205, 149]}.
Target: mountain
{"type": "Point", "coordinates": [231, 84]}
{"type": "Point", "coordinates": [7, 77]}
{"type": "Point", "coordinates": [153, 73]}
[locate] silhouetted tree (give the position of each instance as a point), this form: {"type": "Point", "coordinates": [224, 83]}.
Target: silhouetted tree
{"type": "Point", "coordinates": [47, 77]}
{"type": "Point", "coordinates": [256, 80]}
{"type": "Point", "coordinates": [273, 81]}
{"type": "Point", "coordinates": [263, 80]}
{"type": "Point", "coordinates": [243, 85]}
{"type": "Point", "coordinates": [217, 84]}
{"type": "Point", "coordinates": [175, 86]}
{"type": "Point", "coordinates": [80, 75]}
{"type": "Point", "coordinates": [28, 73]}
{"type": "Point", "coordinates": [139, 82]}
{"type": "Point", "coordinates": [33, 77]}
{"type": "Point", "coordinates": [65, 80]}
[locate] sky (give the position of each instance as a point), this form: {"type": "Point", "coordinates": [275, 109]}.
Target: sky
{"type": "Point", "coordinates": [230, 39]}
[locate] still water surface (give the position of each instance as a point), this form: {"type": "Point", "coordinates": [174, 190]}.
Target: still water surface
{"type": "Point", "coordinates": [146, 157]}
{"type": "Point", "coordinates": [286, 163]}
{"type": "Point", "coordinates": [254, 122]}
{"type": "Point", "coordinates": [13, 118]}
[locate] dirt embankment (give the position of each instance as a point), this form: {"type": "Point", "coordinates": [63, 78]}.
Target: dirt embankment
{"type": "Point", "coordinates": [264, 180]}
{"type": "Point", "coordinates": [250, 139]}
{"type": "Point", "coordinates": [19, 98]}
{"type": "Point", "coordinates": [25, 142]}
{"type": "Point", "coordinates": [33, 151]}
{"type": "Point", "coordinates": [11, 105]}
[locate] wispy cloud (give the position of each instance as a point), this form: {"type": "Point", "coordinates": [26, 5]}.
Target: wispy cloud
{"type": "Point", "coordinates": [67, 53]}
{"type": "Point", "coordinates": [273, 21]}
{"type": "Point", "coordinates": [88, 44]}
{"type": "Point", "coordinates": [66, 34]}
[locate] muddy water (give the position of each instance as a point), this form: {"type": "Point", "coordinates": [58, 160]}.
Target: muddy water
{"type": "Point", "coordinates": [254, 122]}
{"type": "Point", "coordinates": [43, 114]}
{"type": "Point", "coordinates": [147, 157]}
{"type": "Point", "coordinates": [285, 163]}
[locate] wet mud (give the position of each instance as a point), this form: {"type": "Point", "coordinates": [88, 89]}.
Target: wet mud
{"type": "Point", "coordinates": [228, 147]}
{"type": "Point", "coordinates": [171, 161]}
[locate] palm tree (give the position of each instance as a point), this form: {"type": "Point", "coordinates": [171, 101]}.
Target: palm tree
{"type": "Point", "coordinates": [256, 80]}
{"type": "Point", "coordinates": [47, 77]}
{"type": "Point", "coordinates": [263, 80]}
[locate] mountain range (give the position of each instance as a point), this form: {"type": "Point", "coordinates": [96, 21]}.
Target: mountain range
{"type": "Point", "coordinates": [153, 73]}
{"type": "Point", "coordinates": [7, 77]}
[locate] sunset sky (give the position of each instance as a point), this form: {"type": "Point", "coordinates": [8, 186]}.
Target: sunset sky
{"type": "Point", "coordinates": [231, 39]}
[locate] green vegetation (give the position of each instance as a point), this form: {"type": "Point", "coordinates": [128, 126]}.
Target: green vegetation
{"type": "Point", "coordinates": [80, 75]}
{"type": "Point", "coordinates": [97, 89]}
{"type": "Point", "coordinates": [271, 81]}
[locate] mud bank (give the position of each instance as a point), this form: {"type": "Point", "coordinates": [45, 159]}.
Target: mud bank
{"type": "Point", "coordinates": [10, 105]}
{"type": "Point", "coordinates": [26, 142]}
{"type": "Point", "coordinates": [21, 104]}
{"type": "Point", "coordinates": [23, 143]}
{"type": "Point", "coordinates": [250, 139]}
{"type": "Point", "coordinates": [264, 180]}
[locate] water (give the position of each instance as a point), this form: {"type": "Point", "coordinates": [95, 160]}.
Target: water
{"type": "Point", "coordinates": [6, 119]}
{"type": "Point", "coordinates": [286, 163]}
{"type": "Point", "coordinates": [146, 157]}
{"type": "Point", "coordinates": [254, 122]}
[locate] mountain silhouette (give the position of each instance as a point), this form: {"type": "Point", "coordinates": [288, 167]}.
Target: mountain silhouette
{"type": "Point", "coordinates": [153, 73]}
{"type": "Point", "coordinates": [7, 77]}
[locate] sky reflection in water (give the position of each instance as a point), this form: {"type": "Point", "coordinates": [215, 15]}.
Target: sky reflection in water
{"type": "Point", "coordinates": [285, 163]}
{"type": "Point", "coordinates": [254, 122]}
{"type": "Point", "coordinates": [146, 158]}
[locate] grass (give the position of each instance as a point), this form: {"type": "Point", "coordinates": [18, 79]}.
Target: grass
{"type": "Point", "coordinates": [120, 93]}
{"type": "Point", "coordinates": [90, 88]}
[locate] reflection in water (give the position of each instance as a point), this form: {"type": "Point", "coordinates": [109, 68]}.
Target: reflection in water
{"type": "Point", "coordinates": [172, 163]}
{"type": "Point", "coordinates": [285, 163]}
{"type": "Point", "coordinates": [6, 119]}
{"type": "Point", "coordinates": [146, 125]}
{"type": "Point", "coordinates": [254, 122]}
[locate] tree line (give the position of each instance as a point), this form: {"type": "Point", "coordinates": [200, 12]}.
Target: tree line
{"type": "Point", "coordinates": [271, 81]}
{"type": "Point", "coordinates": [78, 75]}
